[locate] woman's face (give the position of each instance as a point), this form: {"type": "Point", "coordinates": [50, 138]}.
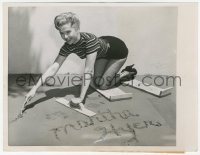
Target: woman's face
{"type": "Point", "coordinates": [69, 33]}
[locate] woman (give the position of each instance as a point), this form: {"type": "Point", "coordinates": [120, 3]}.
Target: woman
{"type": "Point", "coordinates": [104, 57]}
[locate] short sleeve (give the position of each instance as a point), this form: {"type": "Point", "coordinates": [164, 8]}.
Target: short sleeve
{"type": "Point", "coordinates": [92, 44]}
{"type": "Point", "coordinates": [64, 51]}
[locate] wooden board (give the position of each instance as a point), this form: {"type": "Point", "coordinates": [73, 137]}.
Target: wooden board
{"type": "Point", "coordinates": [114, 94]}
{"type": "Point", "coordinates": [150, 89]}
{"type": "Point", "coordinates": [82, 109]}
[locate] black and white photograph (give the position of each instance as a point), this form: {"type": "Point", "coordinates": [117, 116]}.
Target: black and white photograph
{"type": "Point", "coordinates": [93, 74]}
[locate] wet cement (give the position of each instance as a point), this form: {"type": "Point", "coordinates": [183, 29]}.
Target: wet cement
{"type": "Point", "coordinates": [144, 120]}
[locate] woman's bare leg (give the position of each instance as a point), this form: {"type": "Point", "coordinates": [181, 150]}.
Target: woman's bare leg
{"type": "Point", "coordinates": [99, 69]}
{"type": "Point", "coordinates": [110, 76]}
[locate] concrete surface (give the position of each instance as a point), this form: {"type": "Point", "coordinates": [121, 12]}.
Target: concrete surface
{"type": "Point", "coordinates": [144, 120]}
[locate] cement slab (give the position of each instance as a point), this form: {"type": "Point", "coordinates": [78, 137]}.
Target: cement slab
{"type": "Point", "coordinates": [143, 120]}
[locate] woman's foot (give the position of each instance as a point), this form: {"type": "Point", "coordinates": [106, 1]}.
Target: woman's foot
{"type": "Point", "coordinates": [128, 73]}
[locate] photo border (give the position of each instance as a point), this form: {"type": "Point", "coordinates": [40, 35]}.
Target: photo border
{"type": "Point", "coordinates": [186, 101]}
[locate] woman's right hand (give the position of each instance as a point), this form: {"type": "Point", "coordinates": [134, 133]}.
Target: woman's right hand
{"type": "Point", "coordinates": [30, 94]}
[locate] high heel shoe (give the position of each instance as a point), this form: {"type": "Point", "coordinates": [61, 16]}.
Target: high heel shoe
{"type": "Point", "coordinates": [132, 72]}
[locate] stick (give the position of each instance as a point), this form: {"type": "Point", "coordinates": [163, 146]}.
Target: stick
{"type": "Point", "coordinates": [23, 106]}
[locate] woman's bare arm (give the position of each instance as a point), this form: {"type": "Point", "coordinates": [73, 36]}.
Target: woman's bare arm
{"type": "Point", "coordinates": [88, 73]}
{"type": "Point", "coordinates": [51, 71]}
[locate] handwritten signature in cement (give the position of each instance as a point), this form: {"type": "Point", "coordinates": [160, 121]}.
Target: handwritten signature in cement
{"type": "Point", "coordinates": [107, 116]}
{"type": "Point", "coordinates": [129, 128]}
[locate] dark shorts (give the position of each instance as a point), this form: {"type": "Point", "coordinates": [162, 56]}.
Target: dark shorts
{"type": "Point", "coordinates": [117, 48]}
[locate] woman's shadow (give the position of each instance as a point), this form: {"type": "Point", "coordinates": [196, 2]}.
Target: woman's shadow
{"type": "Point", "coordinates": [59, 92]}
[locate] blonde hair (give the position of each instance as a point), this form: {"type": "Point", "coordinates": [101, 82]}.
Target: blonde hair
{"type": "Point", "coordinates": [67, 17]}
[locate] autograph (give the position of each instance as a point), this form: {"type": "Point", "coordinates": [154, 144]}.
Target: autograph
{"type": "Point", "coordinates": [108, 116]}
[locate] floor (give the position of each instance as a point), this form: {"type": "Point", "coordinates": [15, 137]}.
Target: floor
{"type": "Point", "coordinates": [144, 120]}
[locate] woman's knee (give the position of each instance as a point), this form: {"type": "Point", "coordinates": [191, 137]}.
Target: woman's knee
{"type": "Point", "coordinates": [97, 80]}
{"type": "Point", "coordinates": [104, 87]}
{"type": "Point", "coordinates": [101, 84]}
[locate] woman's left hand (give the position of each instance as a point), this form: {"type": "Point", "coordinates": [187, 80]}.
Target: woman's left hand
{"type": "Point", "coordinates": [76, 101]}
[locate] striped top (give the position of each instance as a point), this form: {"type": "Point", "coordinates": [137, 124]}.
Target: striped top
{"type": "Point", "coordinates": [87, 44]}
